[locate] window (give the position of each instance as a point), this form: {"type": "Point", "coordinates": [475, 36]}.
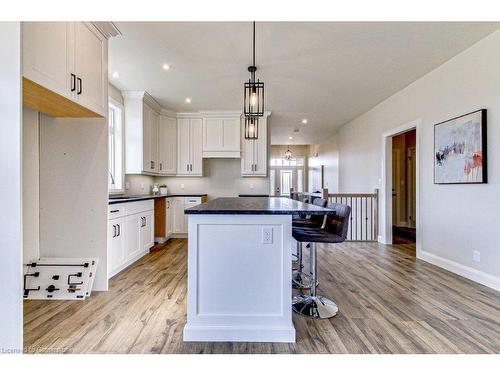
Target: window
{"type": "Point", "coordinates": [116, 175]}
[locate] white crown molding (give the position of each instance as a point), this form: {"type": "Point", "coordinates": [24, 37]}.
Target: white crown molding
{"type": "Point", "coordinates": [144, 95]}
{"type": "Point", "coordinates": [107, 29]}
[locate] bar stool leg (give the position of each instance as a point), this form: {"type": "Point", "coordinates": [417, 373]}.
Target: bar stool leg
{"type": "Point", "coordinates": [314, 306]}
{"type": "Point", "coordinates": [299, 279]}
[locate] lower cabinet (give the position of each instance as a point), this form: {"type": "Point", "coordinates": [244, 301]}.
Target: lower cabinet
{"type": "Point", "coordinates": [178, 218]}
{"type": "Point", "coordinates": [131, 235]}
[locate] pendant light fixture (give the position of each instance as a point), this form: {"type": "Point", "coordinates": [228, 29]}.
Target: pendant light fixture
{"type": "Point", "coordinates": [251, 127]}
{"type": "Point", "coordinates": [288, 154]}
{"type": "Point", "coordinates": [253, 98]}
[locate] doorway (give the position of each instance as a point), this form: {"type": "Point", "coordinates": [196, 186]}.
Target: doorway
{"type": "Point", "coordinates": [404, 187]}
{"type": "Point", "coordinates": [286, 174]}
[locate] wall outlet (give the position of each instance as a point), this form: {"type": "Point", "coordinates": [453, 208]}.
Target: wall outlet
{"type": "Point", "coordinates": [142, 186]}
{"type": "Point", "coordinates": [251, 186]}
{"type": "Point", "coordinates": [267, 235]}
{"type": "Point", "coordinates": [476, 256]}
{"type": "Point", "coordinates": [182, 186]}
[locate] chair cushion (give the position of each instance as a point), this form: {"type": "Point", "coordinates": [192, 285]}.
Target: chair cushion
{"type": "Point", "coordinates": [307, 234]}
{"type": "Point", "coordinates": [305, 223]}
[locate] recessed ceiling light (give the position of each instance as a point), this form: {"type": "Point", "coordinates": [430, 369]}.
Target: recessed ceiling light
{"type": "Point", "coordinates": [166, 67]}
{"type": "Point", "coordinates": [188, 100]}
{"type": "Point", "coordinates": [116, 75]}
{"type": "Point", "coordinates": [304, 121]}
{"type": "Point", "coordinates": [290, 138]}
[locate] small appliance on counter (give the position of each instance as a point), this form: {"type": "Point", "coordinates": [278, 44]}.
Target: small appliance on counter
{"type": "Point", "coordinates": [163, 190]}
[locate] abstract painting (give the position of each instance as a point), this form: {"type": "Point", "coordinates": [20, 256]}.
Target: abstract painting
{"type": "Point", "coordinates": [460, 150]}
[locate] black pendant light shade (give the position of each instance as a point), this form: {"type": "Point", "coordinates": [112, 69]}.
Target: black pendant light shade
{"type": "Point", "coordinates": [251, 127]}
{"type": "Point", "coordinates": [253, 96]}
{"type": "Point", "coordinates": [288, 154]}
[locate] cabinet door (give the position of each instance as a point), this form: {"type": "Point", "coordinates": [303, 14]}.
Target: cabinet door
{"type": "Point", "coordinates": [213, 135]}
{"type": "Point", "coordinates": [90, 50]}
{"type": "Point", "coordinates": [231, 134]}
{"type": "Point", "coordinates": [46, 59]}
{"type": "Point", "coordinates": [260, 151]}
{"type": "Point", "coordinates": [178, 222]}
{"type": "Point", "coordinates": [146, 138]}
{"type": "Point", "coordinates": [188, 203]}
{"type": "Point", "coordinates": [183, 149]}
{"type": "Point", "coordinates": [147, 230]}
{"type": "Point", "coordinates": [116, 244]}
{"type": "Point", "coordinates": [153, 142]}
{"type": "Point", "coordinates": [168, 218]}
{"type": "Point", "coordinates": [196, 145]}
{"type": "Point", "coordinates": [167, 146]}
{"type": "Point", "coordinates": [133, 244]}
{"type": "Point", "coordinates": [247, 157]}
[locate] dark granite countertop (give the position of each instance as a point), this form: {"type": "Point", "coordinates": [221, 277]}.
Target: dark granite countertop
{"type": "Point", "coordinates": [257, 206]}
{"type": "Point", "coordinates": [134, 198]}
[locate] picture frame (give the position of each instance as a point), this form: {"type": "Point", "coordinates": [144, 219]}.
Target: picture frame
{"type": "Point", "coordinates": [460, 149]}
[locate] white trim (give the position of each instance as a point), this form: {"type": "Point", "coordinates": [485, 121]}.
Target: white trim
{"type": "Point", "coordinates": [121, 107]}
{"type": "Point", "coordinates": [239, 334]}
{"type": "Point", "coordinates": [385, 212]}
{"type": "Point", "coordinates": [480, 277]}
{"type": "Point", "coordinates": [128, 263]}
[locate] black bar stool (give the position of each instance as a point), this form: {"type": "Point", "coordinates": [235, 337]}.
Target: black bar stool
{"type": "Point", "coordinates": [300, 280]}
{"type": "Point", "coordinates": [334, 231]}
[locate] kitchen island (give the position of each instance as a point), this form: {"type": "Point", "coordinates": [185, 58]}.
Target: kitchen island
{"type": "Point", "coordinates": [239, 269]}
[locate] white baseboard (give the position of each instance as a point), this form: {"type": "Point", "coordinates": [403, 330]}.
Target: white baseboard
{"type": "Point", "coordinates": [480, 277]}
{"type": "Point", "coordinates": [239, 334]}
{"type": "Point", "coordinates": [127, 264]}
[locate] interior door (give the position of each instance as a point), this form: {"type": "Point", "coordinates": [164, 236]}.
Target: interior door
{"type": "Point", "coordinates": [90, 54]}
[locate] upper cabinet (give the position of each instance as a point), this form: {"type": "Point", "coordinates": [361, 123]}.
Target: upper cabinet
{"type": "Point", "coordinates": [65, 69]}
{"type": "Point", "coordinates": [254, 151]}
{"type": "Point", "coordinates": [142, 121]}
{"type": "Point", "coordinates": [189, 147]}
{"type": "Point", "coordinates": [167, 146]}
{"type": "Point", "coordinates": [221, 137]}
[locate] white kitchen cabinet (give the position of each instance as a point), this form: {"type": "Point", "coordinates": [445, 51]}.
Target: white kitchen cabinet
{"type": "Point", "coordinates": [189, 147]}
{"type": "Point", "coordinates": [116, 244]}
{"type": "Point", "coordinates": [147, 230]}
{"type": "Point", "coordinates": [167, 145]}
{"type": "Point", "coordinates": [130, 233]}
{"type": "Point", "coordinates": [91, 58]}
{"type": "Point", "coordinates": [169, 218]}
{"type": "Point", "coordinates": [254, 155]}
{"type": "Point", "coordinates": [178, 222]}
{"type": "Point", "coordinates": [133, 245]}
{"type": "Point", "coordinates": [221, 137]}
{"type": "Point", "coordinates": [69, 59]}
{"type": "Point", "coordinates": [141, 133]}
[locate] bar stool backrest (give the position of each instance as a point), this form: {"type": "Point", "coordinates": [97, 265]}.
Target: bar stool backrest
{"type": "Point", "coordinates": [338, 223]}
{"type": "Point", "coordinates": [319, 202]}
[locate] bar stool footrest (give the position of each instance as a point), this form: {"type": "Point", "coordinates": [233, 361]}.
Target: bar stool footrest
{"type": "Point", "coordinates": [302, 280]}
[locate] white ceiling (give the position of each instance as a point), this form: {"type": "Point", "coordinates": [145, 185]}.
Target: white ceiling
{"type": "Point", "coordinates": [328, 73]}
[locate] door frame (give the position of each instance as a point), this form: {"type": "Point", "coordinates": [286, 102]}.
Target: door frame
{"type": "Point", "coordinates": [385, 219]}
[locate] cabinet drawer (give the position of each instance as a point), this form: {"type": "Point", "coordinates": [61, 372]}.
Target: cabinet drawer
{"type": "Point", "coordinates": [140, 206]}
{"type": "Point", "coordinates": [116, 211]}
{"type": "Point", "coordinates": [192, 201]}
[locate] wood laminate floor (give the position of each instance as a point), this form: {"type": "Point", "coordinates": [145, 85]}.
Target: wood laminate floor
{"type": "Point", "coordinates": [389, 303]}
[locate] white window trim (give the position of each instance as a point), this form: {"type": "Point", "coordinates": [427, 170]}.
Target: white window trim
{"type": "Point", "coordinates": [122, 110]}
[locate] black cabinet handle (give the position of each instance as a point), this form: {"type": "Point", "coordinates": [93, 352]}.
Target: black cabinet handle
{"type": "Point", "coordinates": [80, 86]}
{"type": "Point", "coordinates": [119, 230]}
{"type": "Point", "coordinates": [73, 82]}
{"type": "Point", "coordinates": [160, 166]}
{"type": "Point", "coordinates": [114, 231]}
{"type": "Point", "coordinates": [114, 211]}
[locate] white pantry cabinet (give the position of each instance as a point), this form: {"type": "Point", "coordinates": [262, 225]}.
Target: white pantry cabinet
{"type": "Point", "coordinates": [142, 121]}
{"type": "Point", "coordinates": [221, 137]}
{"type": "Point", "coordinates": [189, 147]}
{"type": "Point", "coordinates": [179, 218]}
{"type": "Point", "coordinates": [167, 145]}
{"type": "Point", "coordinates": [254, 151]}
{"type": "Point", "coordinates": [130, 233]}
{"type": "Point", "coordinates": [69, 59]}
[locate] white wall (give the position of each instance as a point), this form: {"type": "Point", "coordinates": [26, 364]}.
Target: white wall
{"type": "Point", "coordinates": [74, 190]}
{"type": "Point", "coordinates": [221, 178]}
{"type": "Point", "coordinates": [328, 155]}
{"type": "Point", "coordinates": [11, 313]}
{"type": "Point", "coordinates": [31, 198]}
{"type": "Point", "coordinates": [456, 219]}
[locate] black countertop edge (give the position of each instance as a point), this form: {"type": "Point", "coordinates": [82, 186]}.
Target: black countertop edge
{"type": "Point", "coordinates": [148, 197]}
{"type": "Point", "coordinates": [256, 206]}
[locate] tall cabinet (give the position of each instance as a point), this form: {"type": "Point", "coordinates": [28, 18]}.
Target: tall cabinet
{"type": "Point", "coordinates": [189, 147]}
{"type": "Point", "coordinates": [142, 121]}
{"type": "Point", "coordinates": [254, 151]}
{"type": "Point", "coordinates": [167, 137]}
